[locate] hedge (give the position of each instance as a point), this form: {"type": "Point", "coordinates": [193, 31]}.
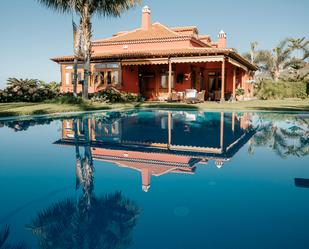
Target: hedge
{"type": "Point", "coordinates": [281, 89]}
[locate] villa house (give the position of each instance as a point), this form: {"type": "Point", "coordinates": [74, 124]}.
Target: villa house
{"type": "Point", "coordinates": [155, 60]}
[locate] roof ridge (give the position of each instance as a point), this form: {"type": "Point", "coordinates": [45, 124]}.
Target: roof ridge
{"type": "Point", "coordinates": [167, 28]}
{"type": "Point", "coordinates": [204, 36]}
{"type": "Point", "coordinates": [140, 34]}
{"type": "Point", "coordinates": [120, 35]}
{"type": "Point", "coordinates": [184, 27]}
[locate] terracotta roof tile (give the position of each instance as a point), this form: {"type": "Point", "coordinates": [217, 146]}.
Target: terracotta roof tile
{"type": "Point", "coordinates": [183, 28]}
{"type": "Point", "coordinates": [186, 30]}
{"type": "Point", "coordinates": [152, 53]}
{"type": "Point", "coordinates": [163, 53]}
{"type": "Point", "coordinates": [157, 31]}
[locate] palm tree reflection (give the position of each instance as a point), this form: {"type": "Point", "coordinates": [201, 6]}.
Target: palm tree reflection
{"type": "Point", "coordinates": [285, 140]}
{"type": "Point", "coordinates": [91, 221]}
{"type": "Point", "coordinates": [4, 236]}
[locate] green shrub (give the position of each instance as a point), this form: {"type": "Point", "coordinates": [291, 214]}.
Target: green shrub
{"type": "Point", "coordinates": [131, 97]}
{"type": "Point", "coordinates": [280, 90]}
{"type": "Point", "coordinates": [112, 95]}
{"type": "Point", "coordinates": [67, 98]}
{"type": "Point", "coordinates": [28, 90]}
{"type": "Point", "coordinates": [240, 91]}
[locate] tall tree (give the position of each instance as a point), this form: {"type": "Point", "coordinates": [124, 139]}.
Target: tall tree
{"type": "Point", "coordinates": [86, 9]}
{"type": "Point", "coordinates": [260, 58]}
{"type": "Point", "coordinates": [300, 46]}
{"type": "Point", "coordinates": [279, 58]}
{"type": "Point", "coordinates": [251, 55]}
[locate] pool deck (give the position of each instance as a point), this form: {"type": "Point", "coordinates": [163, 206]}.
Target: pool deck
{"type": "Point", "coordinates": [40, 109]}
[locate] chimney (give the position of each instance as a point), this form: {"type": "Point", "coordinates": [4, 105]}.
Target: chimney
{"type": "Point", "coordinates": [222, 39]}
{"type": "Point", "coordinates": [146, 18]}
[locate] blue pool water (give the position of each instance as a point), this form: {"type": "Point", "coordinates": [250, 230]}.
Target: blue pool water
{"type": "Point", "coordinates": [156, 179]}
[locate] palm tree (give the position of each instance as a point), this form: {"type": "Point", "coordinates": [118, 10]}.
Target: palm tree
{"type": "Point", "coordinates": [281, 57]}
{"type": "Point", "coordinates": [263, 59]}
{"type": "Point", "coordinates": [300, 45]}
{"type": "Point", "coordinates": [251, 55]}
{"type": "Point", "coordinates": [86, 9]}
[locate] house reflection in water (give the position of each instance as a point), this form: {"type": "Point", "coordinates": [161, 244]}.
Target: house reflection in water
{"type": "Point", "coordinates": [160, 142]}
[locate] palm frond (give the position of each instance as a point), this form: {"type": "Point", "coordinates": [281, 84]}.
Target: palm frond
{"type": "Point", "coordinates": [4, 234]}
{"type": "Point", "coordinates": [62, 6]}
{"type": "Point", "coordinates": [112, 7]}
{"type": "Point", "coordinates": [247, 56]}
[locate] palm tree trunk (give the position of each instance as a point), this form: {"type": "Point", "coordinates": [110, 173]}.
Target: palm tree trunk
{"type": "Point", "coordinates": [86, 77]}
{"type": "Point", "coordinates": [86, 30]}
{"type": "Point", "coordinates": [276, 74]}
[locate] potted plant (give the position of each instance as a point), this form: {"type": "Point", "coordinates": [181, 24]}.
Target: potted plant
{"type": "Point", "coordinates": [240, 92]}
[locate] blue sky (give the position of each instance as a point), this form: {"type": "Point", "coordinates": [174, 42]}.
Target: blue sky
{"type": "Point", "coordinates": [31, 34]}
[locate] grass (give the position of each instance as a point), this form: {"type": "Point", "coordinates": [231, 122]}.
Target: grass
{"type": "Point", "coordinates": [22, 109]}
{"type": "Point", "coordinates": [296, 105]}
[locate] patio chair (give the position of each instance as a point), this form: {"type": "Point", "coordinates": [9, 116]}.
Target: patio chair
{"type": "Point", "coordinates": [173, 97]}
{"type": "Point", "coordinates": [201, 96]}
{"type": "Point", "coordinates": [191, 96]}
{"type": "Point", "coordinates": [217, 95]}
{"type": "Point", "coordinates": [181, 96]}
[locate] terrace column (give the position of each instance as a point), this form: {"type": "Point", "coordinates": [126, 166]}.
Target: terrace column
{"type": "Point", "coordinates": [222, 130]}
{"type": "Point", "coordinates": [234, 84]}
{"type": "Point", "coordinates": [233, 121]}
{"type": "Point", "coordinates": [169, 78]}
{"type": "Point", "coordinates": [242, 79]}
{"type": "Point", "coordinates": [169, 125]}
{"type": "Point", "coordinates": [223, 81]}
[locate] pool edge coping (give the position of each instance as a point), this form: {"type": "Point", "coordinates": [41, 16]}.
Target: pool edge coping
{"type": "Point", "coordinates": [65, 114]}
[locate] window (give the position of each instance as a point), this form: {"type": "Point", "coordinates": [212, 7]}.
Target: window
{"type": "Point", "coordinates": [79, 77]}
{"type": "Point", "coordinates": [109, 77]}
{"type": "Point", "coordinates": [67, 79]}
{"type": "Point", "coordinates": [68, 125]}
{"type": "Point", "coordinates": [211, 84]}
{"type": "Point", "coordinates": [102, 78]}
{"type": "Point", "coordinates": [115, 128]}
{"type": "Point", "coordinates": [107, 65]}
{"type": "Point", "coordinates": [115, 78]}
{"type": "Point", "coordinates": [96, 78]}
{"type": "Point", "coordinates": [71, 67]}
{"type": "Point", "coordinates": [164, 80]}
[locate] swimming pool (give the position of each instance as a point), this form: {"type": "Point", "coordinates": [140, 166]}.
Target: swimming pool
{"type": "Point", "coordinates": [156, 179]}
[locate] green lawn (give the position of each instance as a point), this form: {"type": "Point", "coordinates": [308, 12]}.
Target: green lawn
{"type": "Point", "coordinates": [20, 109]}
